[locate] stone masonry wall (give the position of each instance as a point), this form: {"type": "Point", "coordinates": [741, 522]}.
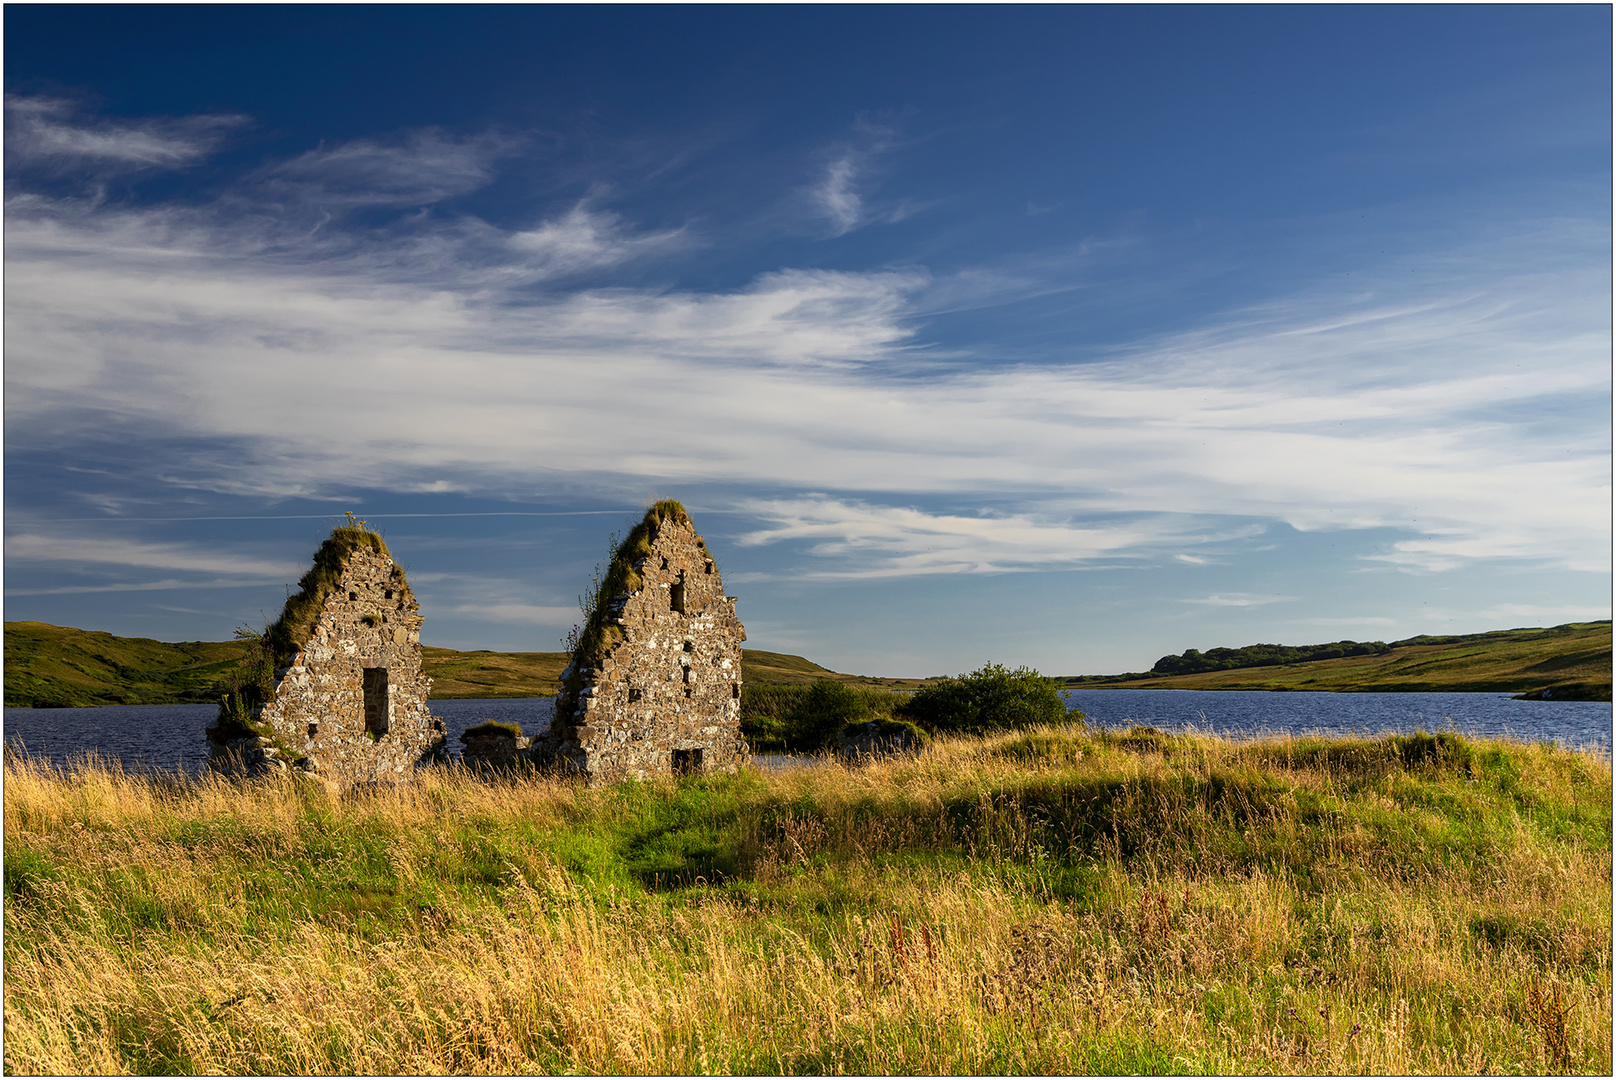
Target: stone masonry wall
{"type": "Point", "coordinates": [665, 698]}
{"type": "Point", "coordinates": [371, 621]}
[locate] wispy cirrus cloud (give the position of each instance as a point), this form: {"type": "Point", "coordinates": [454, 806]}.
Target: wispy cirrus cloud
{"type": "Point", "coordinates": [1238, 600]}
{"type": "Point", "coordinates": [55, 134]}
{"type": "Point", "coordinates": [860, 539]}
{"type": "Point", "coordinates": [35, 547]}
{"type": "Point", "coordinates": [586, 239]}
{"type": "Point", "coordinates": [841, 195]}
{"type": "Point", "coordinates": [416, 169]}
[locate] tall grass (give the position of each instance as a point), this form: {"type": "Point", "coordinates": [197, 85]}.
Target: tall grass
{"type": "Point", "coordinates": [1057, 901]}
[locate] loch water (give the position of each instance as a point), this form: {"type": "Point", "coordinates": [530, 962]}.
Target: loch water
{"type": "Point", "coordinates": [169, 737]}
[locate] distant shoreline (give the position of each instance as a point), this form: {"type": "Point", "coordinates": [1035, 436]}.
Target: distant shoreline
{"type": "Point", "coordinates": [57, 666]}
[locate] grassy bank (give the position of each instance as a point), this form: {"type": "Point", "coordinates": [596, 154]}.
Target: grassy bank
{"type": "Point", "coordinates": [1054, 902]}
{"type": "Point", "coordinates": [1572, 661]}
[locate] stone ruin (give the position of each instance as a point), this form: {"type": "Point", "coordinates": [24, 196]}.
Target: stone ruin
{"type": "Point", "coordinates": [338, 689]}
{"type": "Point", "coordinates": [654, 687]}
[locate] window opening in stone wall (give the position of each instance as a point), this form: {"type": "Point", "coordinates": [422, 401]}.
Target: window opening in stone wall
{"type": "Point", "coordinates": [353, 596]}
{"type": "Point", "coordinates": [633, 695]}
{"type": "Point", "coordinates": [676, 597]}
{"type": "Point", "coordinates": [686, 762]}
{"type": "Point", "coordinates": [735, 691]}
{"type": "Point", "coordinates": [709, 566]}
{"type": "Point", "coordinates": [375, 683]}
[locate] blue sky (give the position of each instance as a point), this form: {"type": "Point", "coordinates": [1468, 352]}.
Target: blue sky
{"type": "Point", "coordinates": [1062, 336]}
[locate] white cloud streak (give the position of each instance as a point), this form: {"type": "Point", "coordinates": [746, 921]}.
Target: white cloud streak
{"type": "Point", "coordinates": [30, 547]}
{"type": "Point", "coordinates": [1240, 600]}
{"type": "Point", "coordinates": [421, 168]}
{"type": "Point", "coordinates": [871, 541]}
{"type": "Point", "coordinates": [44, 132]}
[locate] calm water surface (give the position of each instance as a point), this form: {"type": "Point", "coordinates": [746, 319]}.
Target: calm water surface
{"type": "Point", "coordinates": [170, 736]}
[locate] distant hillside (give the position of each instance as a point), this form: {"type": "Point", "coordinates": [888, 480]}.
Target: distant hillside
{"type": "Point", "coordinates": [60, 666]}
{"type": "Point", "coordinates": [1571, 661]}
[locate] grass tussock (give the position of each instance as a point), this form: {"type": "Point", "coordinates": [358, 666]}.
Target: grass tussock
{"type": "Point", "coordinates": [1053, 901]}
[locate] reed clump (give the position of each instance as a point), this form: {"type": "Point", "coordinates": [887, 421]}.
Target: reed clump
{"type": "Point", "coordinates": [1057, 900]}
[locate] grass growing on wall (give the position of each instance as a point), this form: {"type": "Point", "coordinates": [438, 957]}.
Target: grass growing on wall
{"type": "Point", "coordinates": [289, 633]}
{"type": "Point", "coordinates": [1052, 901]}
{"type": "Point", "coordinates": [594, 638]}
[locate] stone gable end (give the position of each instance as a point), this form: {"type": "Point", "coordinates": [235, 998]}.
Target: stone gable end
{"type": "Point", "coordinates": [663, 694]}
{"type": "Point", "coordinates": [351, 706]}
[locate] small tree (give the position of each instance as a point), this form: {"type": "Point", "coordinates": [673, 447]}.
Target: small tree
{"type": "Point", "coordinates": [991, 698]}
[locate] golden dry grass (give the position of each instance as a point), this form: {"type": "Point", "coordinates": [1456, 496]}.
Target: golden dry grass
{"type": "Point", "coordinates": [1057, 902]}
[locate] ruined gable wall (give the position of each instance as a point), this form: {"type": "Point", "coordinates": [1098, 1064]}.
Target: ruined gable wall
{"type": "Point", "coordinates": [319, 702]}
{"type": "Point", "coordinates": [671, 682]}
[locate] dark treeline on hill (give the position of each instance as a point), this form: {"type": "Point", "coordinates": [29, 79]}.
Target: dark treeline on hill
{"type": "Point", "coordinates": [1193, 660]}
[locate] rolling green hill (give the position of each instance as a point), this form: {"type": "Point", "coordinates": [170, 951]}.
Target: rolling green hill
{"type": "Point", "coordinates": [60, 666]}
{"type": "Point", "coordinates": [1571, 661]}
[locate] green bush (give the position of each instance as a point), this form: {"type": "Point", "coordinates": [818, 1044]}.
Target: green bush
{"type": "Point", "coordinates": [991, 698]}
{"type": "Point", "coordinates": [825, 709]}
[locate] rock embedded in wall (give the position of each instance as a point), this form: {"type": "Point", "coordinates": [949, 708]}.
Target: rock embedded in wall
{"type": "Point", "coordinates": [654, 687]}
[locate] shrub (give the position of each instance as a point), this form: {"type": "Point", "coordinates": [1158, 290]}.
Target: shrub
{"type": "Point", "coordinates": [991, 698]}
{"type": "Point", "coordinates": [803, 718]}
{"type": "Point", "coordinates": [825, 709]}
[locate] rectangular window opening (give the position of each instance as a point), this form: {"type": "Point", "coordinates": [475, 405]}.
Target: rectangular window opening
{"type": "Point", "coordinates": [676, 597]}
{"type": "Point", "coordinates": [375, 683]}
{"type": "Point", "coordinates": [735, 691]}
{"type": "Point", "coordinates": [686, 762]}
